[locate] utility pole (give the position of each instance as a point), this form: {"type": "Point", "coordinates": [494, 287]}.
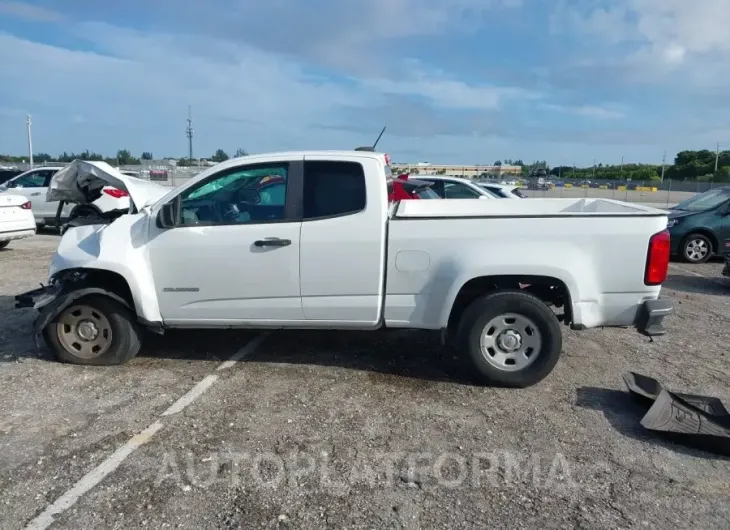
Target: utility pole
{"type": "Point", "coordinates": [664, 165]}
{"type": "Point", "coordinates": [621, 171]}
{"type": "Point", "coordinates": [717, 157]}
{"type": "Point", "coordinates": [30, 141]}
{"type": "Point", "coordinates": [189, 134]}
{"type": "Point", "coordinates": [594, 168]}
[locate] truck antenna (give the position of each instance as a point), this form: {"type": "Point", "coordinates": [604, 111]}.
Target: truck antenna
{"type": "Point", "coordinates": [372, 149]}
{"type": "Point", "coordinates": [379, 136]}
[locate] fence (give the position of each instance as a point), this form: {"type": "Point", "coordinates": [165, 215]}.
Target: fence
{"type": "Point", "coordinates": [666, 193]}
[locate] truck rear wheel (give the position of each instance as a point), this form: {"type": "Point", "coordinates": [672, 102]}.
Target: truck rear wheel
{"type": "Point", "coordinates": [95, 330]}
{"type": "Point", "coordinates": [511, 337]}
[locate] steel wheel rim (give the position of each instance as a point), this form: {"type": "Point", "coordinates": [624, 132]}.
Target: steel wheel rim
{"type": "Point", "coordinates": [510, 342]}
{"type": "Point", "coordinates": [697, 249]}
{"type": "Point", "coordinates": [84, 331]}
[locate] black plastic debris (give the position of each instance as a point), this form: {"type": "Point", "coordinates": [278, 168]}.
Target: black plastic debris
{"type": "Point", "coordinates": [700, 421]}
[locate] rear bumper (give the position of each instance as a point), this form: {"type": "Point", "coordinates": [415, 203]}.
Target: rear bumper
{"type": "Point", "coordinates": [17, 234]}
{"type": "Point", "coordinates": [651, 315]}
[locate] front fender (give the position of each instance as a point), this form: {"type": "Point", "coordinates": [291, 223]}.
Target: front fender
{"type": "Point", "coordinates": [119, 247]}
{"type": "Point", "coordinates": [49, 309]}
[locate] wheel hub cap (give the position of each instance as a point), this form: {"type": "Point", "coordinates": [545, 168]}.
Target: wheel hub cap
{"type": "Point", "coordinates": [697, 249]}
{"type": "Point", "coordinates": [87, 330]}
{"type": "Point", "coordinates": [84, 331]}
{"type": "Point", "coordinates": [509, 340]}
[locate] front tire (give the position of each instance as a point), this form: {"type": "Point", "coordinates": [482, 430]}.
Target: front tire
{"type": "Point", "coordinates": [95, 330]}
{"type": "Point", "coordinates": [4, 244]}
{"type": "Point", "coordinates": [511, 338]}
{"type": "Point", "coordinates": [696, 248]}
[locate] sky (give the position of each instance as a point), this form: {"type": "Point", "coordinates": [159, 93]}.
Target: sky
{"type": "Point", "coordinates": [454, 81]}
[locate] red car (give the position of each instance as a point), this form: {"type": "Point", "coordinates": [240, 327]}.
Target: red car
{"type": "Point", "coordinates": [403, 188]}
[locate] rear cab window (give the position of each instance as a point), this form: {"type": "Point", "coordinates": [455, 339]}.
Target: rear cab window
{"type": "Point", "coordinates": [333, 189]}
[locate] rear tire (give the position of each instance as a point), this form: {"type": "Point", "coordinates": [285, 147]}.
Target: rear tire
{"type": "Point", "coordinates": [94, 330]}
{"type": "Point", "coordinates": [4, 244]}
{"type": "Point", "coordinates": [696, 248]}
{"type": "Point", "coordinates": [511, 338]}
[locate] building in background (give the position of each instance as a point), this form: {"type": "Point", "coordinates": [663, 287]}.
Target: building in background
{"type": "Point", "coordinates": [468, 171]}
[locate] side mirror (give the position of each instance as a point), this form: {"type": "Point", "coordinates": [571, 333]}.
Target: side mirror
{"type": "Point", "coordinates": [168, 215]}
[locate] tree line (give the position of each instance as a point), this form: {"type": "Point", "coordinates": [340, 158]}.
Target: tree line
{"type": "Point", "coordinates": [687, 165]}
{"type": "Point", "coordinates": [123, 158]}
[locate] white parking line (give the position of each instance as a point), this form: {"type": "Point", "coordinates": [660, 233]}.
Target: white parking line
{"type": "Point", "coordinates": [193, 394]}
{"type": "Point", "coordinates": [92, 478]}
{"type": "Point", "coordinates": [715, 280]}
{"type": "Point", "coordinates": [111, 463]}
{"type": "Point", "coordinates": [248, 349]}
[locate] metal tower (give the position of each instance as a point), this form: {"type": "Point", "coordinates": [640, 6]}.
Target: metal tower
{"type": "Point", "coordinates": [189, 134]}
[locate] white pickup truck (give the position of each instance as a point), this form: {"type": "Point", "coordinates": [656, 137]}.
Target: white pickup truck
{"type": "Point", "coordinates": [310, 240]}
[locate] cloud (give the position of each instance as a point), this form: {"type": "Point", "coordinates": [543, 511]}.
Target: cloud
{"type": "Point", "coordinates": [646, 39]}
{"type": "Point", "coordinates": [605, 112]}
{"type": "Point", "coordinates": [29, 12]}
{"type": "Point", "coordinates": [328, 74]}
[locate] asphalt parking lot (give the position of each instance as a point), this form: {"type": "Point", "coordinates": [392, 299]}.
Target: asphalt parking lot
{"type": "Point", "coordinates": [320, 430]}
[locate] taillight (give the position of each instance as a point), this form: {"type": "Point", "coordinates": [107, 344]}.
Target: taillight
{"type": "Point", "coordinates": [387, 159]}
{"type": "Point", "coordinates": [25, 205]}
{"type": "Point", "coordinates": [114, 192]}
{"type": "Point", "coordinates": [657, 260]}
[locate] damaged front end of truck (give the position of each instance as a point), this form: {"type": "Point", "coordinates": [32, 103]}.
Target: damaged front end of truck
{"type": "Point", "coordinates": [97, 249]}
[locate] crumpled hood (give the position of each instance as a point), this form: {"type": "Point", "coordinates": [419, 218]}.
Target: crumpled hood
{"type": "Point", "coordinates": [80, 179]}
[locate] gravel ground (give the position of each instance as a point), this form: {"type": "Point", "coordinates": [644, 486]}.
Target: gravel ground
{"type": "Point", "coordinates": [316, 430]}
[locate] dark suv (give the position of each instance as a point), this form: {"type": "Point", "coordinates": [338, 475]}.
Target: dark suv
{"type": "Point", "coordinates": [700, 225]}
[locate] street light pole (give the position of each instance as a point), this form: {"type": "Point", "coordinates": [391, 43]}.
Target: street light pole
{"type": "Point", "coordinates": [30, 141]}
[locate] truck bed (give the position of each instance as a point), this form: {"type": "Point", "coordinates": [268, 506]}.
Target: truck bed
{"type": "Point", "coordinates": [596, 248]}
{"type": "Point", "coordinates": [531, 208]}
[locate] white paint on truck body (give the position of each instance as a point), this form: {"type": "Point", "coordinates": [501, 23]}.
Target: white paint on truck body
{"type": "Point", "coordinates": [400, 266]}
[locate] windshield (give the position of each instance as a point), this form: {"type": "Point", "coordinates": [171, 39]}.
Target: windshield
{"type": "Point", "coordinates": [704, 201]}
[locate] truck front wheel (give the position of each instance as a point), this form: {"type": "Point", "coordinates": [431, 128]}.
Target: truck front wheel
{"type": "Point", "coordinates": [512, 338]}
{"type": "Point", "coordinates": [95, 330]}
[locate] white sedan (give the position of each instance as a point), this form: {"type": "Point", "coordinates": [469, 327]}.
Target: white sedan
{"type": "Point", "coordinates": [16, 218]}
{"type": "Point", "coordinates": [455, 187]}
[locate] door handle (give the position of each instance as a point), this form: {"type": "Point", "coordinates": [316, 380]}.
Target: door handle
{"type": "Point", "coordinates": [272, 242]}
{"type": "Point", "coordinates": [35, 194]}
